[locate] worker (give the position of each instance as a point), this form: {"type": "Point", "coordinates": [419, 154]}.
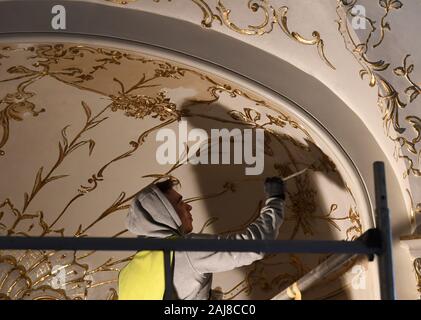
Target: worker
{"type": "Point", "coordinates": [159, 211]}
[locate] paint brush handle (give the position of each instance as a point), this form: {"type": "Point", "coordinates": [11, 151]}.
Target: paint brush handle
{"type": "Point", "coordinates": [296, 174]}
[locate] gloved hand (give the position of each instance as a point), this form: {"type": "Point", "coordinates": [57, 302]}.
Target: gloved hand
{"type": "Point", "coordinates": [274, 187]}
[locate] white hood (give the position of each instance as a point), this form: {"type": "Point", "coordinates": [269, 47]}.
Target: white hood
{"type": "Point", "coordinates": [152, 215]}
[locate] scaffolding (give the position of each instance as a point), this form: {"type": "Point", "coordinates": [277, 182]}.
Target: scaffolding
{"type": "Point", "coordinates": [374, 242]}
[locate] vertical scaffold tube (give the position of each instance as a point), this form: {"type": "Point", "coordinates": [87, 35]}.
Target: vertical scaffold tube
{"type": "Point", "coordinates": [385, 260]}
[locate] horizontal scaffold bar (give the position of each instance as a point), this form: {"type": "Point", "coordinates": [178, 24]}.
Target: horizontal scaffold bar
{"type": "Point", "coordinates": [137, 244]}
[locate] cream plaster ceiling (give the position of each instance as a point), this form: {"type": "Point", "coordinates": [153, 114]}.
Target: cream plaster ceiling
{"type": "Point", "coordinates": [316, 38]}
{"type": "Point", "coordinates": [287, 28]}
{"type": "Point", "coordinates": [78, 141]}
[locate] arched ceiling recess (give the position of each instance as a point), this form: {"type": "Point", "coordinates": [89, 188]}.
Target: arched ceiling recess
{"type": "Point", "coordinates": [285, 39]}
{"type": "Point", "coordinates": [319, 70]}
{"type": "Point", "coordinates": [79, 140]}
{"type": "Point", "coordinates": [384, 48]}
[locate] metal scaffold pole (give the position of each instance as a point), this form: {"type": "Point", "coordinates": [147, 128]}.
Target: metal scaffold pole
{"type": "Point", "coordinates": [385, 260]}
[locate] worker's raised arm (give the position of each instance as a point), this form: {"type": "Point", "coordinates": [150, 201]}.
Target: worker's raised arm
{"type": "Point", "coordinates": [265, 227]}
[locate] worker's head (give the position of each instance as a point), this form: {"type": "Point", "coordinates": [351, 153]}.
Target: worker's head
{"type": "Point", "coordinates": [183, 209]}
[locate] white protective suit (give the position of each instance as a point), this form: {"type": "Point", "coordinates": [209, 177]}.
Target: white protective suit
{"type": "Point", "coordinates": [152, 215]}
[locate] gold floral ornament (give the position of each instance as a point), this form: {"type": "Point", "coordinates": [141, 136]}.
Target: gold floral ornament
{"type": "Point", "coordinates": [302, 202]}
{"type": "Point", "coordinates": [387, 5]}
{"type": "Point", "coordinates": [411, 144]}
{"type": "Point", "coordinates": [405, 71]}
{"type": "Point", "coordinates": [282, 20]}
{"type": "Point", "coordinates": [14, 222]}
{"type": "Point", "coordinates": [278, 121]}
{"type": "Point", "coordinates": [250, 117]}
{"type": "Point", "coordinates": [357, 227]}
{"type": "Point", "coordinates": [390, 100]}
{"type": "Point", "coordinates": [52, 55]}
{"type": "Point", "coordinates": [272, 16]}
{"type": "Point", "coordinates": [412, 92]}
{"type": "Point", "coordinates": [167, 70]}
{"type": "Point", "coordinates": [137, 104]}
{"type": "Point", "coordinates": [42, 275]}
{"type": "Point", "coordinates": [17, 107]}
{"type": "Point", "coordinates": [141, 106]}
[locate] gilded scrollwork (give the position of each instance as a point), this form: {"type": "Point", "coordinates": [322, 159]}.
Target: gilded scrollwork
{"type": "Point", "coordinates": [266, 26]}
{"type": "Point", "coordinates": [31, 276]}
{"type": "Point", "coordinates": [23, 224]}
{"type": "Point", "coordinates": [390, 104]}
{"type": "Point", "coordinates": [390, 100]}
{"type": "Point", "coordinates": [145, 99]}
{"type": "Point", "coordinates": [387, 5]}
{"type": "Point", "coordinates": [301, 203]}
{"type": "Point", "coordinates": [272, 15]}
{"type": "Point", "coordinates": [66, 147]}
{"type": "Point", "coordinates": [405, 71]}
{"type": "Point", "coordinates": [282, 20]}
{"type": "Point", "coordinates": [140, 106]}
{"type": "Point", "coordinates": [208, 15]}
{"type": "Point", "coordinates": [16, 106]}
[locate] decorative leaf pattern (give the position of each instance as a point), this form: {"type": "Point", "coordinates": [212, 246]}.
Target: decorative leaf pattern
{"type": "Point", "coordinates": [137, 102]}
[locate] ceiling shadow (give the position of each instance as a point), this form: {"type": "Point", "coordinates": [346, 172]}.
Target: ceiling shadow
{"type": "Point", "coordinates": [242, 196]}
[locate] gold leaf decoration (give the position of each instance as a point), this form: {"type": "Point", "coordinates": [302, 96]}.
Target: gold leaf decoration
{"type": "Point", "coordinates": [273, 16]}
{"type": "Point", "coordinates": [387, 5]}
{"type": "Point", "coordinates": [390, 101]}
{"type": "Point", "coordinates": [144, 101]}
{"type": "Point", "coordinates": [16, 107]}
{"type": "Point", "coordinates": [140, 106]}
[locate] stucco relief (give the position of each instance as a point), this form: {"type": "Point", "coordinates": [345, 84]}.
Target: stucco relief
{"type": "Point", "coordinates": [398, 90]}
{"type": "Point", "coordinates": [269, 14]}
{"type": "Point", "coordinates": [73, 169]}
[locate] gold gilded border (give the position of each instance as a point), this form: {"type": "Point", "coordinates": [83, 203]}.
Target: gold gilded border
{"type": "Point", "coordinates": [273, 15]}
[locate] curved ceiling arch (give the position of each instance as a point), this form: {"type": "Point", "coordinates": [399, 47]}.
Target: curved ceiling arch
{"type": "Point", "coordinates": [296, 77]}
{"type": "Point", "coordinates": [48, 86]}
{"type": "Point", "coordinates": [216, 47]}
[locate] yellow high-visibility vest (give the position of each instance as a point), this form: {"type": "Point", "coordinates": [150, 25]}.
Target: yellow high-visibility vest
{"type": "Point", "coordinates": [143, 278]}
